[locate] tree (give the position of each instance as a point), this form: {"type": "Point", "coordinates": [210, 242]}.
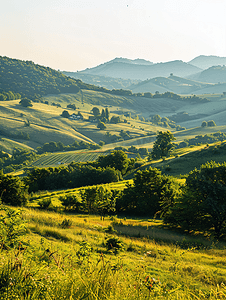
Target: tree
{"type": "Point", "coordinates": [148, 191]}
{"type": "Point", "coordinates": [101, 126]}
{"type": "Point", "coordinates": [163, 146]}
{"type": "Point", "coordinates": [156, 119]}
{"type": "Point", "coordinates": [115, 120]}
{"type": "Point", "coordinates": [204, 124]}
{"type": "Point", "coordinates": [70, 202]}
{"type": "Point", "coordinates": [97, 200]}
{"type": "Point", "coordinates": [72, 106]}
{"type": "Point", "coordinates": [117, 159]}
{"type": "Point", "coordinates": [107, 114]}
{"type": "Point", "coordinates": [12, 190]}
{"type": "Point", "coordinates": [96, 111]}
{"type": "Point", "coordinates": [211, 123]}
{"type": "Point", "coordinates": [65, 114]}
{"type": "Point", "coordinates": [202, 205]}
{"type": "Point", "coordinates": [25, 102]}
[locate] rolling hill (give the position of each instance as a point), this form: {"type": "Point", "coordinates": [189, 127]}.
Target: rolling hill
{"type": "Point", "coordinates": [215, 74]}
{"type": "Point", "coordinates": [42, 123]}
{"type": "Point", "coordinates": [126, 70]}
{"type": "Point", "coordinates": [172, 83]}
{"type": "Point", "coordinates": [103, 81]}
{"type": "Point", "coordinates": [205, 62]}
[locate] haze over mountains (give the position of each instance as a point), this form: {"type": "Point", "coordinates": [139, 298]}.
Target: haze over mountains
{"type": "Point", "coordinates": [205, 62]}
{"type": "Point", "coordinates": [137, 71]}
{"type": "Point", "coordinates": [203, 74]}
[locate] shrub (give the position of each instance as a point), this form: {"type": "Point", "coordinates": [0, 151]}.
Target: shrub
{"type": "Point", "coordinates": [45, 203]}
{"type": "Point", "coordinates": [114, 244]}
{"type": "Point", "coordinates": [70, 202]}
{"type": "Point", "coordinates": [66, 223]}
{"type": "Point", "coordinates": [11, 227]}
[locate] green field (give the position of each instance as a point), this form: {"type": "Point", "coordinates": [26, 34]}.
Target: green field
{"type": "Point", "coordinates": [55, 159]}
{"type": "Point", "coordinates": [55, 261]}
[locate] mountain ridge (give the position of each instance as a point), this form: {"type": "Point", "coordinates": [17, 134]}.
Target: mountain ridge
{"type": "Point", "coordinates": [142, 72]}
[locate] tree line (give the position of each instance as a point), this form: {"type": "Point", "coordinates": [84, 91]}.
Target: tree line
{"type": "Point", "coordinates": [59, 146]}
{"type": "Point", "coordinates": [197, 205]}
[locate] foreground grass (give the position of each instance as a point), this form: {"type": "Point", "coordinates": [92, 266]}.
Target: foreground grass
{"type": "Point", "coordinates": [73, 263]}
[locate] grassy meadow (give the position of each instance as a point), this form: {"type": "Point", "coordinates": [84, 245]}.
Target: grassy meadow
{"type": "Point", "coordinates": [70, 256]}
{"type": "Point", "coordinates": [64, 256]}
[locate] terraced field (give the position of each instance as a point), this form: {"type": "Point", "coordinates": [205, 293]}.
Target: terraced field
{"type": "Point", "coordinates": [60, 158]}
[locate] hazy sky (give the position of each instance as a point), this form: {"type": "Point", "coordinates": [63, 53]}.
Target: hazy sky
{"type": "Point", "coordinates": [77, 34]}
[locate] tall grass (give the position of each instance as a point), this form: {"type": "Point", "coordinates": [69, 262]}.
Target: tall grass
{"type": "Point", "coordinates": [73, 263]}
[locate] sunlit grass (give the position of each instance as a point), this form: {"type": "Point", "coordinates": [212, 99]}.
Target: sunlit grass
{"type": "Point", "coordinates": [51, 266]}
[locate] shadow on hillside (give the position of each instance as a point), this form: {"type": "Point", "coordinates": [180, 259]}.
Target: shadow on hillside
{"type": "Point", "coordinates": [168, 236]}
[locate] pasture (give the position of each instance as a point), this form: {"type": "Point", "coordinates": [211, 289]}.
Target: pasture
{"type": "Point", "coordinates": [66, 257]}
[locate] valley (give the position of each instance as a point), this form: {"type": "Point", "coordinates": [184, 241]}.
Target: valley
{"type": "Point", "coordinates": [113, 191]}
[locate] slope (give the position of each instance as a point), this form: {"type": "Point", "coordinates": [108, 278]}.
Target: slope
{"type": "Point", "coordinates": [104, 81]}
{"type": "Point", "coordinates": [142, 72]}
{"type": "Point", "coordinates": [172, 83]}
{"type": "Point", "coordinates": [205, 62]}
{"type": "Point", "coordinates": [215, 74]}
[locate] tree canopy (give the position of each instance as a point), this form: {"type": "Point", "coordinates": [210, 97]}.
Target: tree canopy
{"type": "Point", "coordinates": [163, 146]}
{"type": "Point", "coordinates": [145, 195]}
{"type": "Point", "coordinates": [202, 205]}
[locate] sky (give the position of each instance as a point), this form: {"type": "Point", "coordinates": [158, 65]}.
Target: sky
{"type": "Point", "coordinates": [72, 35]}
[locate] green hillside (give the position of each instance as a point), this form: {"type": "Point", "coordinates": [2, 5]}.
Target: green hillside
{"type": "Point", "coordinates": [34, 81]}
{"type": "Point", "coordinates": [104, 81]}
{"type": "Point", "coordinates": [43, 122]}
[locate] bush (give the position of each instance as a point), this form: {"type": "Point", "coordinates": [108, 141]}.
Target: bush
{"type": "Point", "coordinates": [45, 203]}
{"type": "Point", "coordinates": [114, 244]}
{"type": "Point", "coordinates": [66, 223]}
{"type": "Point", "coordinates": [11, 227]}
{"type": "Point", "coordinates": [70, 202]}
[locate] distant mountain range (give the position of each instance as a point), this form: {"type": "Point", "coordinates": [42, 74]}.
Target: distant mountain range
{"type": "Point", "coordinates": [205, 62]}
{"type": "Point", "coordinates": [203, 74]}
{"type": "Point", "coordinates": [128, 70]}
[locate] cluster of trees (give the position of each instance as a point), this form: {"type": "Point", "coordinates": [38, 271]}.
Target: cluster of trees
{"type": "Point", "coordinates": [102, 117]}
{"type": "Point", "coordinates": [201, 204]}
{"type": "Point", "coordinates": [145, 195]}
{"type": "Point", "coordinates": [5, 96]}
{"type": "Point", "coordinates": [209, 123]}
{"type": "Point", "coordinates": [18, 159]}
{"type": "Point", "coordinates": [117, 160]}
{"type": "Point", "coordinates": [72, 176]}
{"type": "Point", "coordinates": [166, 122]}
{"type": "Point", "coordinates": [106, 169]}
{"type": "Point", "coordinates": [197, 205]}
{"type": "Point", "coordinates": [203, 139]}
{"type": "Point", "coordinates": [94, 200]}
{"type": "Point", "coordinates": [133, 149]}
{"type": "Point", "coordinates": [174, 96]}
{"type": "Point", "coordinates": [59, 146]}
